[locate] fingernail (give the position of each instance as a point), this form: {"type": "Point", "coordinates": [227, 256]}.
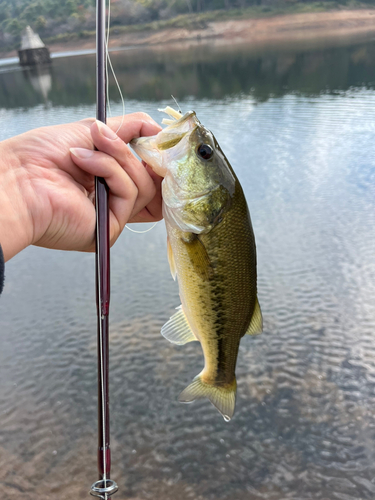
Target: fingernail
{"type": "Point", "coordinates": [106, 131]}
{"type": "Point", "coordinates": [82, 152]}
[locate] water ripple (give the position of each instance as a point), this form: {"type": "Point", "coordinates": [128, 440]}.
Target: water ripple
{"type": "Point", "coordinates": [305, 419]}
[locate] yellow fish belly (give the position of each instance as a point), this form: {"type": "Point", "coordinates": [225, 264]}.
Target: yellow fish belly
{"type": "Point", "coordinates": [217, 282]}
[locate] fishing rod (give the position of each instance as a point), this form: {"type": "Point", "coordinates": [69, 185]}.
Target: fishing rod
{"type": "Point", "coordinates": [104, 487]}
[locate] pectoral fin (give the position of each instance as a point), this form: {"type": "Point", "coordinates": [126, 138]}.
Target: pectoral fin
{"type": "Point", "coordinates": [256, 323]}
{"type": "Point", "coordinates": [177, 330]}
{"type": "Point", "coordinates": [172, 263]}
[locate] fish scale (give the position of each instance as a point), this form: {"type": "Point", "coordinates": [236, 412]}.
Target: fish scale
{"type": "Point", "coordinates": [211, 249]}
{"type": "Point", "coordinates": [222, 307]}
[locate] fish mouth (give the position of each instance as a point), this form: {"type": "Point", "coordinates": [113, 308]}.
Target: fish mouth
{"type": "Point", "coordinates": [177, 119]}
{"type": "Point", "coordinates": [177, 128]}
{"type": "Point", "coordinates": [151, 149]}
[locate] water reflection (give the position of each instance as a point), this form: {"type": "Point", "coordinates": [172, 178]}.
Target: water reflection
{"type": "Point", "coordinates": [305, 416]}
{"type": "Point", "coordinates": [204, 72]}
{"type": "Point", "coordinates": [40, 78]}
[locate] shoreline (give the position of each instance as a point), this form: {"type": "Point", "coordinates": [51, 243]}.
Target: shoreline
{"type": "Point", "coordinates": [324, 27]}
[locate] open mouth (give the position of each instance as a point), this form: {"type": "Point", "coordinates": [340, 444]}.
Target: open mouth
{"type": "Point", "coordinates": [176, 118]}
{"type": "Point", "coordinates": [150, 149]}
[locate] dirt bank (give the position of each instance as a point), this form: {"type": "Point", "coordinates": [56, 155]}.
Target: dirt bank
{"type": "Point", "coordinates": [296, 27]}
{"type": "Point", "coordinates": [324, 26]}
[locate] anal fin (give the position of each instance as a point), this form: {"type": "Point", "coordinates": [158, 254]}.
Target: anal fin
{"type": "Point", "coordinates": [256, 323]}
{"type": "Point", "coordinates": [177, 330]}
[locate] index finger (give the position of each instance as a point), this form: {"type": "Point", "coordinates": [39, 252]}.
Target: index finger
{"type": "Point", "coordinates": [132, 126]}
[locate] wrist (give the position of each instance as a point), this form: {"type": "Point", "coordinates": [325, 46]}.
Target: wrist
{"type": "Point", "coordinates": [15, 221]}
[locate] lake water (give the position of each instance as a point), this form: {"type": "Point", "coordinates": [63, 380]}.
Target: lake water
{"type": "Point", "coordinates": [298, 125]}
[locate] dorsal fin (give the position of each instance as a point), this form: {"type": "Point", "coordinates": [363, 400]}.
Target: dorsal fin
{"type": "Point", "coordinates": [256, 323]}
{"type": "Point", "coordinates": [177, 330]}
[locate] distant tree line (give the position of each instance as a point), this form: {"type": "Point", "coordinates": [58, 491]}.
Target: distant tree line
{"type": "Point", "coordinates": [55, 17]}
{"type": "Point", "coordinates": [47, 17]}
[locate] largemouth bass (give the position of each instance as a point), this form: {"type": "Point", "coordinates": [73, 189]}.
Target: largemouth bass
{"type": "Point", "coordinates": [211, 250]}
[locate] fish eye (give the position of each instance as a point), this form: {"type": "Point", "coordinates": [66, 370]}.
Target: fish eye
{"type": "Point", "coordinates": [205, 151]}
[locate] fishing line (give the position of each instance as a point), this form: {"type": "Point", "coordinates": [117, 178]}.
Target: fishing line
{"type": "Point", "coordinates": [145, 231]}
{"type": "Point", "coordinates": [175, 100]}
{"type": "Point", "coordinates": [108, 61]}
{"type": "Point", "coordinates": [101, 336]}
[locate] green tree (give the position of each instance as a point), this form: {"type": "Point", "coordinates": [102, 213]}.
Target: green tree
{"type": "Point", "coordinates": [40, 23]}
{"type": "Point", "coordinates": [70, 7]}
{"type": "Point", "coordinates": [4, 11]}
{"type": "Point", "coordinates": [31, 12]}
{"type": "Point", "coordinates": [14, 27]}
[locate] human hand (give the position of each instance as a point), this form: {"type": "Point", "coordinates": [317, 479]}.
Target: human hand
{"type": "Point", "coordinates": [46, 192]}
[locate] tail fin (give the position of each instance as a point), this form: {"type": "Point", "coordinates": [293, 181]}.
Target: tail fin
{"type": "Point", "coordinates": [223, 398]}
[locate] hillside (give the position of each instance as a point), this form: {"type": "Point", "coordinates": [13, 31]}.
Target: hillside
{"type": "Point", "coordinates": [62, 21]}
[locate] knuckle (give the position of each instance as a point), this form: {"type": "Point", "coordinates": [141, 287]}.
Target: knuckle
{"type": "Point", "coordinates": [151, 192]}
{"type": "Point", "coordinates": [133, 191]}
{"type": "Point", "coordinates": [126, 151]}
{"type": "Point", "coordinates": [141, 115]}
{"type": "Point", "coordinates": [113, 239]}
{"type": "Point", "coordinates": [87, 121]}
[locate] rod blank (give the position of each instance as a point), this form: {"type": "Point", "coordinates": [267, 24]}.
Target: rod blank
{"type": "Point", "coordinates": [105, 487]}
